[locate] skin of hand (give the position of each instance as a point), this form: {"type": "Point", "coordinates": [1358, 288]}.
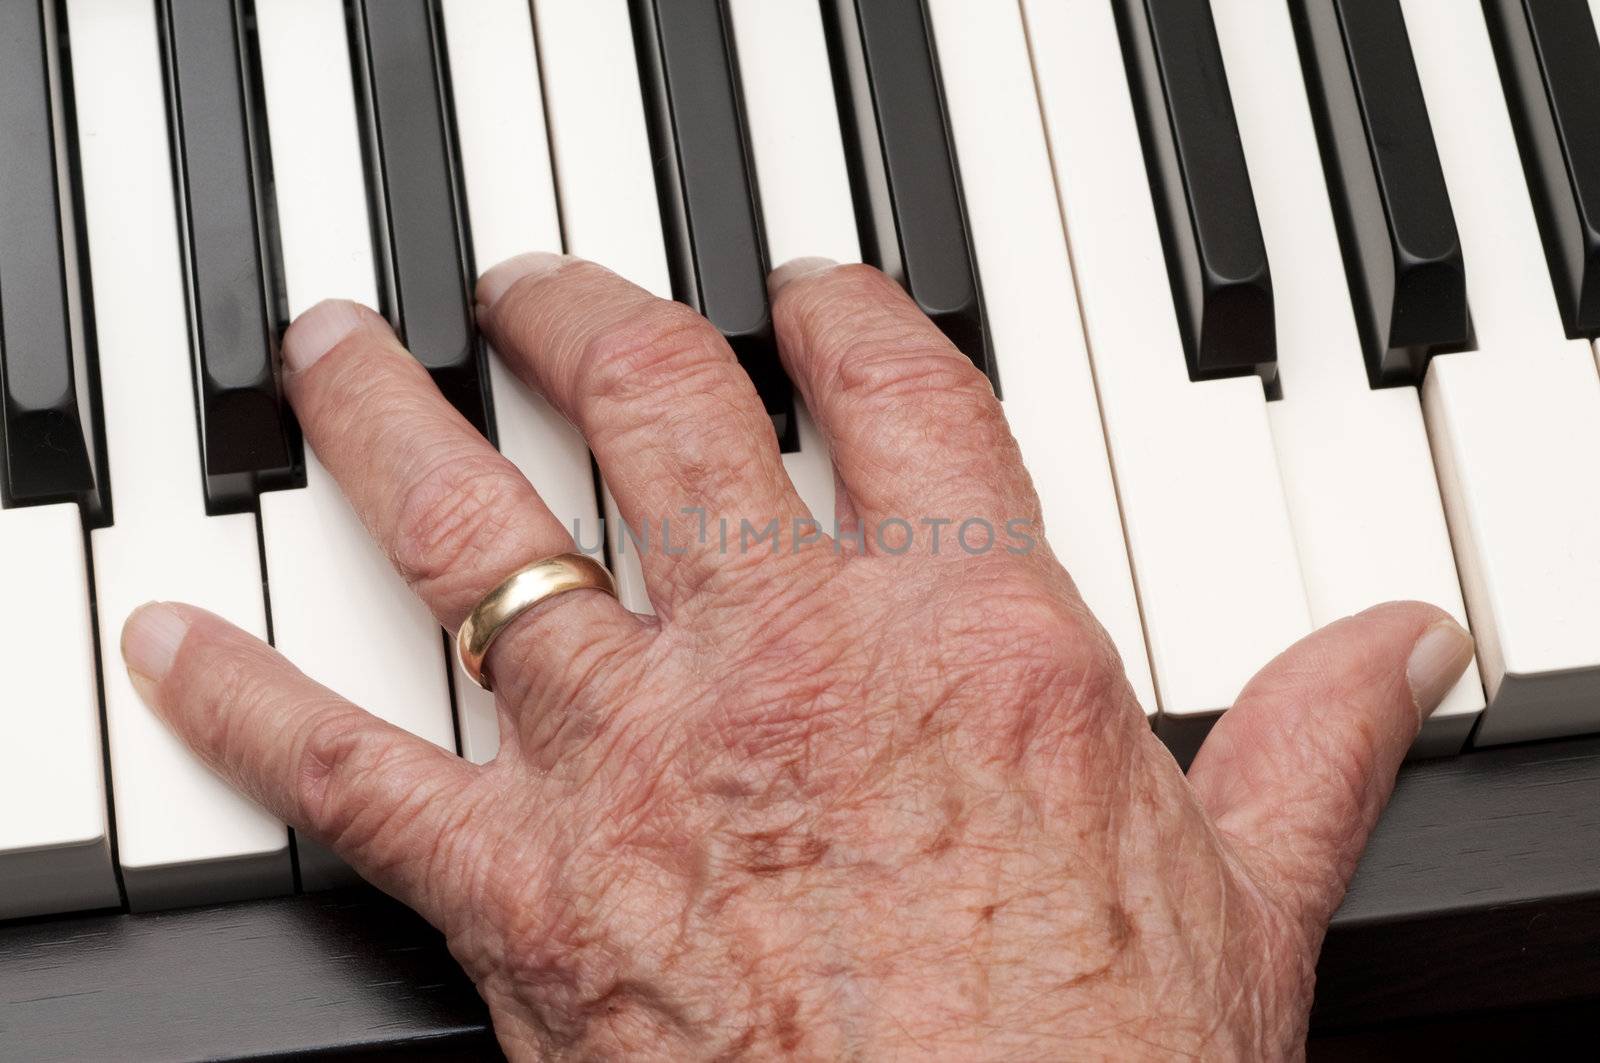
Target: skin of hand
{"type": "Point", "coordinates": [834, 800]}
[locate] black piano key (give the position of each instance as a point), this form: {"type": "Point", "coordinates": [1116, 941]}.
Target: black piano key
{"type": "Point", "coordinates": [903, 167]}
{"type": "Point", "coordinates": [1402, 251]}
{"type": "Point", "coordinates": [423, 255]}
{"type": "Point", "coordinates": [51, 434]}
{"type": "Point", "coordinates": [1549, 61]}
{"type": "Point", "coordinates": [1216, 257]}
{"type": "Point", "coordinates": [690, 77]}
{"type": "Point", "coordinates": [245, 438]}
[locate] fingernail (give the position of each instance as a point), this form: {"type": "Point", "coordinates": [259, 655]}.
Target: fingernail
{"type": "Point", "coordinates": [1437, 661]}
{"type": "Point", "coordinates": [150, 640]}
{"type": "Point", "coordinates": [794, 269]}
{"type": "Point", "coordinates": [320, 329]}
{"type": "Point", "coordinates": [497, 280]}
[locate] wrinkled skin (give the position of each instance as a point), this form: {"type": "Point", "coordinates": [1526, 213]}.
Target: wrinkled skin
{"type": "Point", "coordinates": [833, 801]}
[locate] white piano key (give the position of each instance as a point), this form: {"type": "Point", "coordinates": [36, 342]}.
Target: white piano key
{"type": "Point", "coordinates": [327, 577]}
{"type": "Point", "coordinates": [811, 470]}
{"type": "Point", "coordinates": [793, 122]}
{"type": "Point", "coordinates": [1515, 423]}
{"type": "Point", "coordinates": [1021, 253]}
{"type": "Point", "coordinates": [313, 133]}
{"type": "Point", "coordinates": [183, 835]}
{"type": "Point", "coordinates": [55, 846]}
{"type": "Point", "coordinates": [623, 547]}
{"type": "Point", "coordinates": [1221, 595]}
{"type": "Point", "coordinates": [608, 186]}
{"type": "Point", "coordinates": [1357, 471]}
{"type": "Point", "coordinates": [511, 207]}
{"type": "Point", "coordinates": [806, 206]}
{"type": "Point", "coordinates": [609, 209]}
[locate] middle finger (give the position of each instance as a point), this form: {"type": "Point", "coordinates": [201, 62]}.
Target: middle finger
{"type": "Point", "coordinates": [675, 424]}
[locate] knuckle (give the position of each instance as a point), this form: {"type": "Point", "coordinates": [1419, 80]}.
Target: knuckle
{"type": "Point", "coordinates": [1051, 670]}
{"type": "Point", "coordinates": [1009, 601]}
{"type": "Point", "coordinates": [1041, 638]}
{"type": "Point", "coordinates": [713, 456]}
{"type": "Point", "coordinates": [329, 755]}
{"type": "Point", "coordinates": [451, 511]}
{"type": "Point", "coordinates": [340, 757]}
{"type": "Point", "coordinates": [1072, 652]}
{"type": "Point", "coordinates": [374, 800]}
{"type": "Point", "coordinates": [895, 362]}
{"type": "Point", "coordinates": [872, 342]}
{"type": "Point", "coordinates": [664, 350]}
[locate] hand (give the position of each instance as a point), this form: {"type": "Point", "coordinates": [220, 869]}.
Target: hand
{"type": "Point", "coordinates": [834, 800]}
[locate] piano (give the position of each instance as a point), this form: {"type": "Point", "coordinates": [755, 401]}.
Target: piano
{"type": "Point", "coordinates": [1291, 305]}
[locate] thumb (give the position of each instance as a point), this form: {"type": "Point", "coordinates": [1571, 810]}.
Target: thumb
{"type": "Point", "coordinates": [1296, 773]}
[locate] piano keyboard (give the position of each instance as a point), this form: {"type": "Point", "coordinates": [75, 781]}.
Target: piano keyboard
{"type": "Point", "coordinates": [1290, 306]}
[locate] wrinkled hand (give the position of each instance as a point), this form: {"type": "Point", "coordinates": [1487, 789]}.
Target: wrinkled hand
{"type": "Point", "coordinates": [854, 799]}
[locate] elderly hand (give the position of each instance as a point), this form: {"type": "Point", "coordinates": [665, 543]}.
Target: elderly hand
{"type": "Point", "coordinates": [858, 798]}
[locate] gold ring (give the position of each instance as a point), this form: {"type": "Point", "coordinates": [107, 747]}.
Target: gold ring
{"type": "Point", "coordinates": [521, 591]}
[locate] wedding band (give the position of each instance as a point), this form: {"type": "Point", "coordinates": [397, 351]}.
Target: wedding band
{"type": "Point", "coordinates": [521, 591]}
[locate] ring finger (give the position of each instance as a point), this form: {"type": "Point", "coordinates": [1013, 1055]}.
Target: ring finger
{"type": "Point", "coordinates": [454, 516]}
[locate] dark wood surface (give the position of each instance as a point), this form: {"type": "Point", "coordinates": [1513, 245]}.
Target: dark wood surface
{"type": "Point", "coordinates": [1480, 889]}
{"type": "Point", "coordinates": [348, 973]}
{"type": "Point", "coordinates": [1560, 1032]}
{"type": "Point", "coordinates": [1479, 896]}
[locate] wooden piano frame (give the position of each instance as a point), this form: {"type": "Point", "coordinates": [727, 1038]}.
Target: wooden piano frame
{"type": "Point", "coordinates": [1479, 891]}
